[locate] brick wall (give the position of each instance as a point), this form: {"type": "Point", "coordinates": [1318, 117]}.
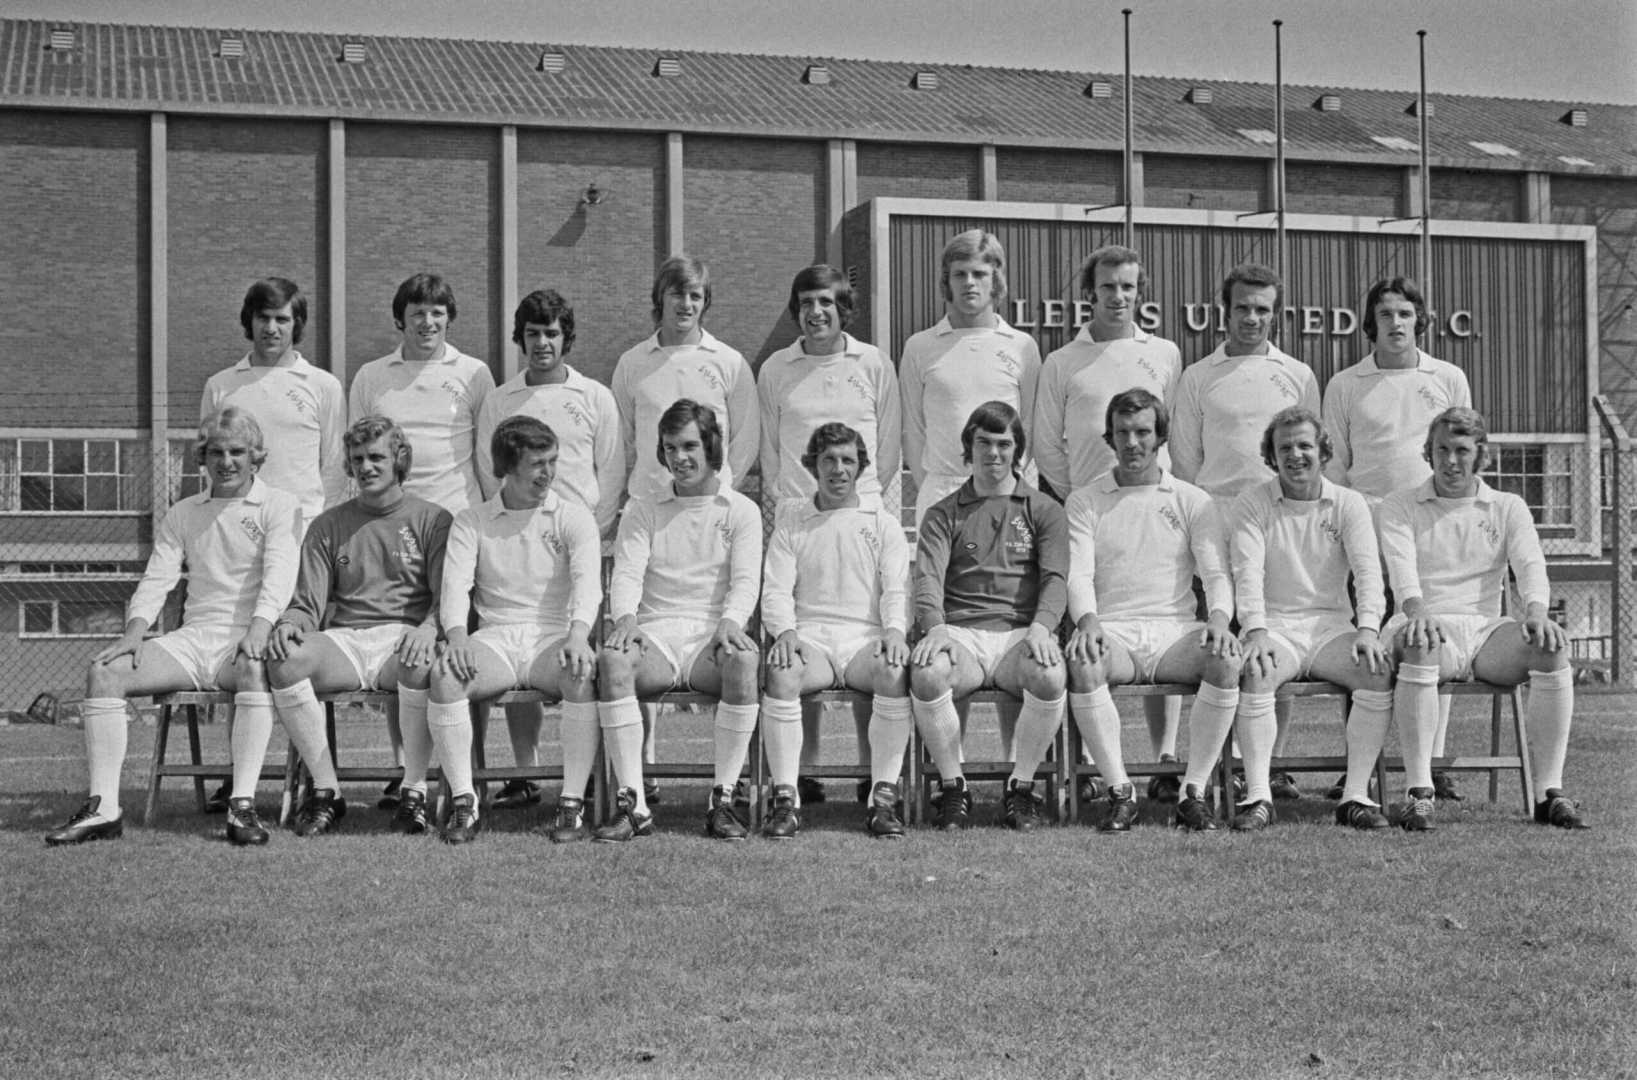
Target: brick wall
{"type": "Point", "coordinates": [247, 200]}
{"type": "Point", "coordinates": [1057, 176]}
{"type": "Point", "coordinates": [1198, 183]}
{"type": "Point", "coordinates": [73, 275]}
{"type": "Point", "coordinates": [913, 171]}
{"type": "Point", "coordinates": [421, 198]}
{"type": "Point", "coordinates": [1325, 188]}
{"type": "Point", "coordinates": [601, 258]}
{"type": "Point", "coordinates": [1474, 195]}
{"type": "Point", "coordinates": [1611, 206]}
{"type": "Point", "coordinates": [755, 212]}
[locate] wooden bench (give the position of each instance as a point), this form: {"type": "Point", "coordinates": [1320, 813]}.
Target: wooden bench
{"type": "Point", "coordinates": [191, 701]}
{"type": "Point", "coordinates": [483, 772]}
{"type": "Point", "coordinates": [923, 773]}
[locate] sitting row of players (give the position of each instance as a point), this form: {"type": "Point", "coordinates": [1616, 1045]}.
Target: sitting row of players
{"type": "Point", "coordinates": [383, 577]}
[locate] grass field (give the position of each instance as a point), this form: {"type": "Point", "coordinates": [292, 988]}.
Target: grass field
{"type": "Point", "coordinates": [1489, 948]}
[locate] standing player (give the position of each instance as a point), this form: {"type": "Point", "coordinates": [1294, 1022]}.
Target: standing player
{"type": "Point", "coordinates": [827, 376]}
{"type": "Point", "coordinates": [364, 617]}
{"type": "Point", "coordinates": [300, 408]}
{"type": "Point", "coordinates": [531, 562]}
{"type": "Point", "coordinates": [687, 568]}
{"type": "Point", "coordinates": [433, 392]}
{"type": "Point", "coordinates": [968, 357]}
{"type": "Point", "coordinates": [1448, 543]}
{"type": "Point", "coordinates": [1109, 355]}
{"type": "Point", "coordinates": [590, 465]}
{"type": "Point", "coordinates": [236, 545]}
{"type": "Point", "coordinates": [1378, 412]}
{"type": "Point", "coordinates": [989, 595]}
{"type": "Point", "coordinates": [834, 601]}
{"type": "Point", "coordinates": [1295, 540]}
{"type": "Point", "coordinates": [1137, 538]}
{"type": "Point", "coordinates": [1225, 401]}
{"type": "Point", "coordinates": [683, 360]}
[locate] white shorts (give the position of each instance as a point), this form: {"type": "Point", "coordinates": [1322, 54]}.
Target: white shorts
{"type": "Point", "coordinates": [1146, 640]}
{"type": "Point", "coordinates": [368, 648]}
{"type": "Point", "coordinates": [518, 645]}
{"type": "Point", "coordinates": [988, 647]}
{"type": "Point", "coordinates": [681, 642]}
{"type": "Point", "coordinates": [201, 650]}
{"type": "Point", "coordinates": [1464, 635]}
{"type": "Point", "coordinates": [1306, 638]}
{"type": "Point", "coordinates": [839, 644]}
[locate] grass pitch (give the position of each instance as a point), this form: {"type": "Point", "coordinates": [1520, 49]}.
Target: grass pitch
{"type": "Point", "coordinates": [1489, 948]}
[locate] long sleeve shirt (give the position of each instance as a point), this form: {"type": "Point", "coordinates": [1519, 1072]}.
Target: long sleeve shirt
{"type": "Point", "coordinates": [436, 403]}
{"type": "Point", "coordinates": [857, 387]}
{"type": "Point", "coordinates": [581, 412]}
{"type": "Point", "coordinates": [362, 567]}
{"type": "Point", "coordinates": [302, 414]}
{"type": "Point", "coordinates": [696, 557]}
{"type": "Point", "coordinates": [540, 566]}
{"type": "Point", "coordinates": [1377, 419]}
{"type": "Point", "coordinates": [239, 556]}
{"type": "Point", "coordinates": [993, 562]}
{"type": "Point", "coordinates": [1134, 551]}
{"type": "Point", "coordinates": [1076, 385]}
{"type": "Point", "coordinates": [845, 567]}
{"type": "Point", "coordinates": [1452, 554]}
{"type": "Point", "coordinates": [1223, 406]}
{"type": "Point", "coordinates": [649, 378]}
{"type": "Point", "coordinates": [1291, 557]}
{"type": "Point", "coordinates": [945, 373]}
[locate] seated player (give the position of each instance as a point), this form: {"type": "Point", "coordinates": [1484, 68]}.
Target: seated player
{"type": "Point", "coordinates": [236, 544]}
{"type": "Point", "coordinates": [989, 595]}
{"type": "Point", "coordinates": [1137, 537]}
{"type": "Point", "coordinates": [364, 617]}
{"type": "Point", "coordinates": [1295, 539]}
{"type": "Point", "coordinates": [834, 602]}
{"type": "Point", "coordinates": [687, 567]}
{"type": "Point", "coordinates": [1448, 543]}
{"type": "Point", "coordinates": [531, 562]}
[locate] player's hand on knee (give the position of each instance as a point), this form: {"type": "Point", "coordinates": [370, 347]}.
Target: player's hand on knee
{"type": "Point", "coordinates": [418, 647]}
{"type": "Point", "coordinates": [730, 638]}
{"type": "Point", "coordinates": [1261, 658]}
{"type": "Point", "coordinates": [892, 648]}
{"type": "Point", "coordinates": [935, 641]}
{"type": "Point", "coordinates": [1368, 649]}
{"type": "Point", "coordinates": [127, 645]}
{"type": "Point", "coordinates": [1043, 647]}
{"type": "Point", "coordinates": [457, 657]}
{"type": "Point", "coordinates": [784, 651]}
{"type": "Point", "coordinates": [253, 646]}
{"type": "Point", "coordinates": [1086, 642]}
{"type": "Point", "coordinates": [623, 635]}
{"type": "Point", "coordinates": [1216, 638]}
{"type": "Point", "coordinates": [576, 656]}
{"type": "Point", "coordinates": [284, 641]}
{"type": "Point", "coordinates": [1540, 631]}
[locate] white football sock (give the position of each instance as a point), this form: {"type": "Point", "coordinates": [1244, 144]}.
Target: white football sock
{"type": "Point", "coordinates": [783, 737]}
{"type": "Point", "coordinates": [621, 722]}
{"type": "Point", "coordinates": [449, 730]}
{"type": "Point", "coordinates": [578, 732]}
{"type": "Point", "coordinates": [1549, 710]}
{"type": "Point", "coordinates": [252, 728]}
{"type": "Point", "coordinates": [303, 719]}
{"type": "Point", "coordinates": [417, 738]}
{"type": "Point", "coordinates": [1366, 733]}
{"type": "Point", "coordinates": [1415, 709]}
{"type": "Point", "coordinates": [1209, 722]}
{"type": "Point", "coordinates": [735, 724]}
{"type": "Point", "coordinates": [106, 733]}
{"type": "Point", "coordinates": [890, 726]}
{"type": "Point", "coordinates": [1257, 727]}
{"type": "Point", "coordinates": [940, 728]}
{"type": "Point", "coordinates": [1099, 721]}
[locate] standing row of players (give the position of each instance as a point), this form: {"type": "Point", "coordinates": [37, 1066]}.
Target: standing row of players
{"type": "Point", "coordinates": [990, 585]}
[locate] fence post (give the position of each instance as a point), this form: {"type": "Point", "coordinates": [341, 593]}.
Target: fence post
{"type": "Point", "coordinates": [1623, 587]}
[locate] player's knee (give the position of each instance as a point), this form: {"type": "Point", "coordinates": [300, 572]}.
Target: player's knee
{"type": "Point", "coordinates": [250, 674]}
{"type": "Point", "coordinates": [739, 670]}
{"type": "Point", "coordinates": [1545, 660]}
{"type": "Point", "coordinates": [889, 680]}
{"type": "Point", "coordinates": [785, 683]}
{"type": "Point", "coordinates": [1419, 654]}
{"type": "Point", "coordinates": [107, 680]}
{"type": "Point", "coordinates": [446, 689]}
{"type": "Point", "coordinates": [1044, 682]}
{"type": "Point", "coordinates": [616, 678]}
{"type": "Point", "coordinates": [572, 687]}
{"type": "Point", "coordinates": [1083, 676]}
{"type": "Point", "coordinates": [1253, 680]}
{"type": "Point", "coordinates": [929, 681]}
{"type": "Point", "coordinates": [1221, 671]}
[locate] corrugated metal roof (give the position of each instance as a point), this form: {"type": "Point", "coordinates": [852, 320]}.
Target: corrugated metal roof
{"type": "Point", "coordinates": [175, 69]}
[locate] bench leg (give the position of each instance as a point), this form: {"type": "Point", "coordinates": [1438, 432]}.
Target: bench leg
{"type": "Point", "coordinates": [1526, 769]}
{"type": "Point", "coordinates": [193, 756]}
{"type": "Point", "coordinates": [156, 768]}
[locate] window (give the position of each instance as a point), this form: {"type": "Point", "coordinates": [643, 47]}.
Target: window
{"type": "Point", "coordinates": [69, 476]}
{"type": "Point", "coordinates": [1538, 473]}
{"type": "Point", "coordinates": [71, 618]}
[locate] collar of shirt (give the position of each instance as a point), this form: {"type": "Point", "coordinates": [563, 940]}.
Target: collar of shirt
{"type": "Point", "coordinates": [1327, 491]}
{"type": "Point", "coordinates": [1001, 327]}
{"type": "Point", "coordinates": [668, 494]}
{"type": "Point", "coordinates": [1368, 366]}
{"type": "Point", "coordinates": [1274, 353]}
{"type": "Point", "coordinates": [1107, 484]}
{"type": "Point", "coordinates": [296, 365]}
{"type": "Point", "coordinates": [968, 492]}
{"type": "Point", "coordinates": [255, 495]}
{"type": "Point", "coordinates": [518, 384]}
{"type": "Point", "coordinates": [1084, 335]}
{"type": "Point", "coordinates": [850, 346]}
{"type": "Point", "coordinates": [1427, 491]}
{"type": "Point", "coordinates": [707, 341]}
{"type": "Point", "coordinates": [496, 506]}
{"type": "Point", "coordinates": [450, 355]}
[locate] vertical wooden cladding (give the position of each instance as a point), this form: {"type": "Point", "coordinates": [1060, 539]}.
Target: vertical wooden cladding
{"type": "Point", "coordinates": [1509, 312]}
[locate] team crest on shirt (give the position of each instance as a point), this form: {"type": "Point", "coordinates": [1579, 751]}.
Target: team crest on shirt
{"type": "Point", "coordinates": [298, 401]}
{"type": "Point", "coordinates": [713, 378]}
{"type": "Point", "coordinates": [1433, 401]}
{"type": "Point", "coordinates": [725, 528]}
{"type": "Point", "coordinates": [1329, 527]}
{"type": "Point", "coordinates": [1148, 367]}
{"type": "Point", "coordinates": [1007, 361]}
{"type": "Point", "coordinates": [409, 548]}
{"type": "Point", "coordinates": [1286, 388]}
{"type": "Point", "coordinates": [252, 528]}
{"type": "Point", "coordinates": [577, 414]}
{"type": "Point", "coordinates": [1171, 518]}
{"type": "Point", "coordinates": [869, 538]}
{"type": "Point", "coordinates": [552, 540]}
{"type": "Point", "coordinates": [1021, 541]}
{"type": "Point", "coordinates": [457, 393]}
{"type": "Point", "coordinates": [861, 387]}
{"type": "Point", "coordinates": [1491, 531]}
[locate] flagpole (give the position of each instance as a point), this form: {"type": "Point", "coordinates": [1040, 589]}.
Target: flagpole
{"type": "Point", "coordinates": [1279, 147]}
{"type": "Point", "coordinates": [1125, 188]}
{"type": "Point", "coordinates": [1426, 178]}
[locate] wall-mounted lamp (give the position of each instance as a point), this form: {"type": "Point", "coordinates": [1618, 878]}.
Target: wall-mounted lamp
{"type": "Point", "coordinates": [594, 196]}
